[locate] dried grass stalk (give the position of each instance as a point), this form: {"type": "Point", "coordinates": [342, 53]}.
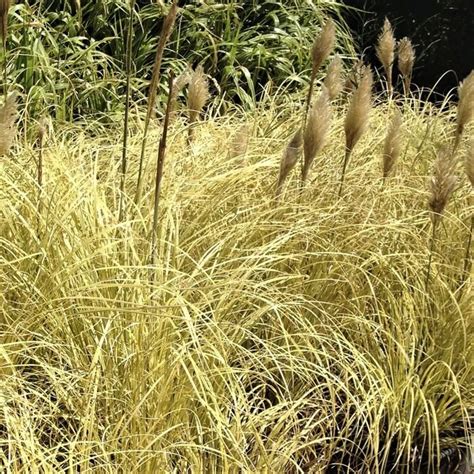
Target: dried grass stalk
{"type": "Point", "coordinates": [442, 184]}
{"type": "Point", "coordinates": [4, 8]}
{"type": "Point", "coordinates": [289, 159]}
{"type": "Point", "coordinates": [8, 115]}
{"type": "Point", "coordinates": [334, 81]}
{"type": "Point", "coordinates": [322, 48]}
{"type": "Point", "coordinates": [317, 131]}
{"type": "Point", "coordinates": [406, 61]}
{"type": "Point", "coordinates": [392, 145]}
{"type": "Point", "coordinates": [465, 111]}
{"type": "Point", "coordinates": [386, 51]}
{"type": "Point", "coordinates": [357, 118]}
{"type": "Point", "coordinates": [155, 79]}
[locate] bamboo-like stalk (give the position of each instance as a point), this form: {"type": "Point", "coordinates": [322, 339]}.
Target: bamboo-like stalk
{"type": "Point", "coordinates": [155, 79]}
{"type": "Point", "coordinates": [128, 72]}
{"type": "Point", "coordinates": [159, 169]}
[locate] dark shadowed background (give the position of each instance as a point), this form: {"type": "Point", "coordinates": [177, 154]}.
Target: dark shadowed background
{"type": "Point", "coordinates": [441, 30]}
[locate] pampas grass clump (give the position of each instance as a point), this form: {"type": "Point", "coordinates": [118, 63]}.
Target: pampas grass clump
{"type": "Point", "coordinates": [269, 335]}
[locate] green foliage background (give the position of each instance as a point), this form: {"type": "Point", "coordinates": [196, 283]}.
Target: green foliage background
{"type": "Point", "coordinates": [68, 56]}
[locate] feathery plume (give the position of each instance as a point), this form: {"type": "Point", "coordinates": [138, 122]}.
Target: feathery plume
{"type": "Point", "coordinates": [392, 146]}
{"type": "Point", "coordinates": [334, 80]}
{"type": "Point", "coordinates": [357, 118]}
{"type": "Point", "coordinates": [289, 159]}
{"type": "Point", "coordinates": [386, 51]}
{"type": "Point", "coordinates": [465, 111]}
{"type": "Point", "coordinates": [442, 184]}
{"type": "Point", "coordinates": [8, 114]}
{"type": "Point", "coordinates": [406, 60]}
{"type": "Point", "coordinates": [317, 130]}
{"type": "Point", "coordinates": [469, 163]}
{"type": "Point", "coordinates": [322, 48]}
{"type": "Point", "coordinates": [178, 85]}
{"type": "Point", "coordinates": [198, 95]}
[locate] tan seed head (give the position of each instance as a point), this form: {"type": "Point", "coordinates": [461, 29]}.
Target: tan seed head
{"type": "Point", "coordinates": [323, 46]}
{"type": "Point", "coordinates": [289, 159]}
{"type": "Point", "coordinates": [466, 103]}
{"type": "Point", "coordinates": [469, 163]}
{"type": "Point", "coordinates": [317, 130]}
{"type": "Point", "coordinates": [392, 146]}
{"type": "Point", "coordinates": [442, 184]}
{"type": "Point", "coordinates": [357, 118]}
{"type": "Point", "coordinates": [406, 61]}
{"type": "Point", "coordinates": [334, 81]}
{"type": "Point", "coordinates": [386, 50]}
{"type": "Point", "coordinates": [198, 93]}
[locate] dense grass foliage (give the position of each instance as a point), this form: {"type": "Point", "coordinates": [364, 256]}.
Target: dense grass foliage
{"type": "Point", "coordinates": [272, 337]}
{"type": "Point", "coordinates": [68, 57]}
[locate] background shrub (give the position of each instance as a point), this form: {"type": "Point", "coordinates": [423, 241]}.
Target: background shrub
{"type": "Point", "coordinates": [69, 56]}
